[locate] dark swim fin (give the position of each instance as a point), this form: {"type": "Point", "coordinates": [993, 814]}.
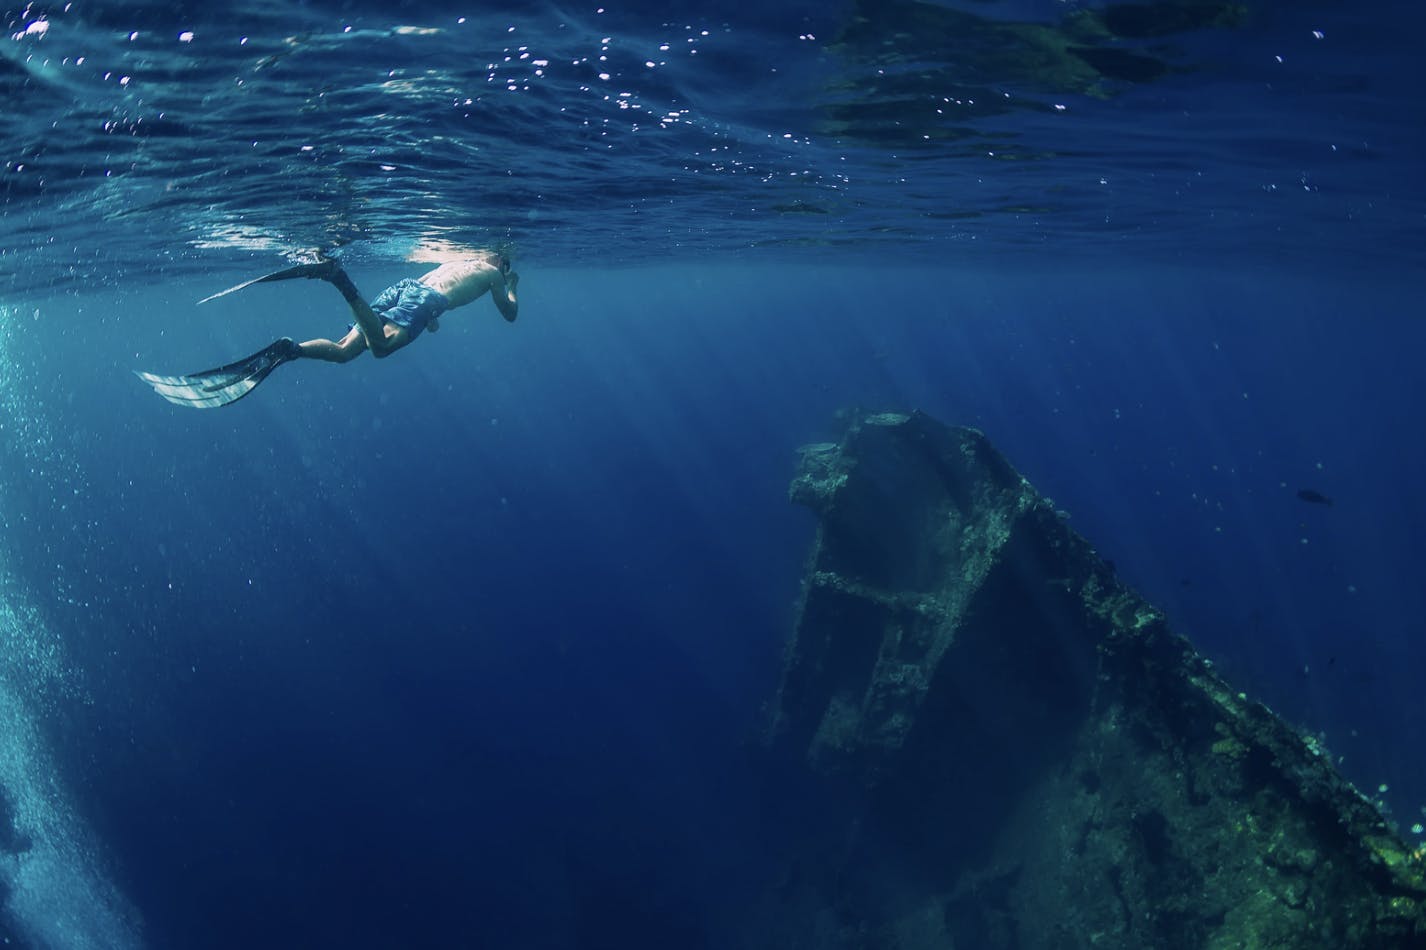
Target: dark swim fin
{"type": "Point", "coordinates": [319, 270]}
{"type": "Point", "coordinates": [226, 384]}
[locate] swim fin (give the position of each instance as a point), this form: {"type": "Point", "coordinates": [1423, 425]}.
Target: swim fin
{"type": "Point", "coordinates": [318, 270]}
{"type": "Point", "coordinates": [226, 384]}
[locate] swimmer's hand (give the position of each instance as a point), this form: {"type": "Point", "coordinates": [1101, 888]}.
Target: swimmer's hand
{"type": "Point", "coordinates": [433, 325]}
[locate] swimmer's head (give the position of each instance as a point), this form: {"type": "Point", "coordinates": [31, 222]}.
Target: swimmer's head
{"type": "Point", "coordinates": [500, 260]}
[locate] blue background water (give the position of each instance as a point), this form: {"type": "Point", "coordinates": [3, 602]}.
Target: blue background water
{"type": "Point", "coordinates": [468, 646]}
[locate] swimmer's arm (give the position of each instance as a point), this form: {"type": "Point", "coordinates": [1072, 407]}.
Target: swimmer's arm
{"type": "Point", "coordinates": [502, 291]}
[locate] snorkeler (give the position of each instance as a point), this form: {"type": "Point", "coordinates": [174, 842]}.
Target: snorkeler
{"type": "Point", "coordinates": [396, 317]}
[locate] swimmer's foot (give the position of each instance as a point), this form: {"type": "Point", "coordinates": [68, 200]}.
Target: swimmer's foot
{"type": "Point", "coordinates": [325, 269]}
{"type": "Point", "coordinates": [318, 270]}
{"type": "Point", "coordinates": [322, 269]}
{"type": "Point", "coordinates": [226, 384]}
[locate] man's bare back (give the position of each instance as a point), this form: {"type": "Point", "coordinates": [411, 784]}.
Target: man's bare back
{"type": "Point", "coordinates": [461, 282]}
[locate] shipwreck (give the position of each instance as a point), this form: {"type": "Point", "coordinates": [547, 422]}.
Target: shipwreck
{"type": "Point", "coordinates": [1017, 752]}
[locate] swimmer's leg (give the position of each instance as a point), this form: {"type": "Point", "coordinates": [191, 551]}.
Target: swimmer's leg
{"type": "Point", "coordinates": [381, 339]}
{"type": "Point", "coordinates": [349, 348]}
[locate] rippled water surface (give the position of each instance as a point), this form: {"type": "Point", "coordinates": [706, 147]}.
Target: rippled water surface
{"type": "Point", "coordinates": [143, 136]}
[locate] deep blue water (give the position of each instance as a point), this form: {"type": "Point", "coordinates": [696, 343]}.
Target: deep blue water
{"type": "Point", "coordinates": [467, 647]}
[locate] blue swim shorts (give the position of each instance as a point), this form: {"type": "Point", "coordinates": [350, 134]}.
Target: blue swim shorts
{"type": "Point", "coordinates": [411, 304]}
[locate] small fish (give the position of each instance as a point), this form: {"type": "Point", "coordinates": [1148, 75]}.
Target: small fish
{"type": "Point", "coordinates": [1313, 497]}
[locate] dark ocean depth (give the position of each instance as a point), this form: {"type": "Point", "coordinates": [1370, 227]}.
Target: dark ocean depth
{"type": "Point", "coordinates": [471, 647]}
